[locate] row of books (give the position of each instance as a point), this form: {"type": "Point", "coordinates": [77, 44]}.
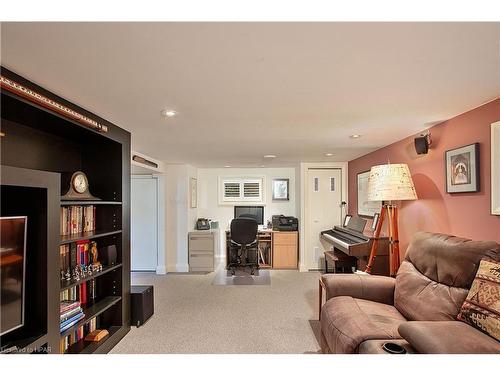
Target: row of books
{"type": "Point", "coordinates": [84, 293]}
{"type": "Point", "coordinates": [78, 334]}
{"type": "Point", "coordinates": [77, 219]}
{"type": "Point", "coordinates": [75, 253]}
{"type": "Point", "coordinates": [71, 313]}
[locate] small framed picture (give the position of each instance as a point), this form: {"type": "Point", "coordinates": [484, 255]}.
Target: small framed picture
{"type": "Point", "coordinates": [376, 217]}
{"type": "Point", "coordinates": [346, 220]}
{"type": "Point", "coordinates": [366, 208]}
{"type": "Point", "coordinates": [462, 169]}
{"type": "Point", "coordinates": [193, 187]}
{"type": "Point", "coordinates": [281, 189]}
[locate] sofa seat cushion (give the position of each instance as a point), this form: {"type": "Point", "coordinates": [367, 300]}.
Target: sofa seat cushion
{"type": "Point", "coordinates": [346, 322]}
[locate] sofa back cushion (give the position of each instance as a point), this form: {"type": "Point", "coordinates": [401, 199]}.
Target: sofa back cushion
{"type": "Point", "coordinates": [436, 274]}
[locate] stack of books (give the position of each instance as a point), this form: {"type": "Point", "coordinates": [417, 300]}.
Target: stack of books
{"type": "Point", "coordinates": [71, 313]}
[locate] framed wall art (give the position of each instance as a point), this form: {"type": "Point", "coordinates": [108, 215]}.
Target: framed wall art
{"type": "Point", "coordinates": [495, 168]}
{"type": "Point", "coordinates": [366, 207]}
{"type": "Point", "coordinates": [193, 189]}
{"type": "Point", "coordinates": [281, 189]}
{"type": "Point", "coordinates": [462, 169]}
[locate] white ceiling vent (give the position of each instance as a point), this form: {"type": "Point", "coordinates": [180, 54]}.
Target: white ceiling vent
{"type": "Point", "coordinates": [143, 164]}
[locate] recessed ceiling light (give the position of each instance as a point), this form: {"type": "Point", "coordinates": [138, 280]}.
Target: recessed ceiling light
{"type": "Point", "coordinates": [355, 136]}
{"type": "Point", "coordinates": [262, 166]}
{"type": "Point", "coordinates": [328, 154]}
{"type": "Point", "coordinates": [227, 166]}
{"type": "Point", "coordinates": [269, 156]}
{"type": "Point", "coordinates": [168, 113]}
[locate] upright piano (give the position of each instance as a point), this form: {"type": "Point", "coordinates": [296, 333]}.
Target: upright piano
{"type": "Point", "coordinates": [352, 245]}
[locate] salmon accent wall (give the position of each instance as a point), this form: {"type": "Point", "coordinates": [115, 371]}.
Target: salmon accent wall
{"type": "Point", "coordinates": [464, 214]}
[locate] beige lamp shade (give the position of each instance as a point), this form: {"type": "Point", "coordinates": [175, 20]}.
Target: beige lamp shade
{"type": "Point", "coordinates": [391, 182]}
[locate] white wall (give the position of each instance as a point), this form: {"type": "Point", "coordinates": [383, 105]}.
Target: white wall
{"type": "Point", "coordinates": [179, 217]}
{"type": "Point", "coordinates": [208, 200]}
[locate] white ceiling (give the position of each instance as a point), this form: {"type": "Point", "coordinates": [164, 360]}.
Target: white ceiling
{"type": "Point", "coordinates": [243, 90]}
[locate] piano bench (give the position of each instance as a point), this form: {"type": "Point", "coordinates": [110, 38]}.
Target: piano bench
{"type": "Point", "coordinates": [341, 262]}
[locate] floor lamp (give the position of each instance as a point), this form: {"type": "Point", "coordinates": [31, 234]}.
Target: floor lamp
{"type": "Point", "coordinates": [389, 183]}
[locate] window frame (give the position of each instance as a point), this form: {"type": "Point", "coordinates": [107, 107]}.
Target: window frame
{"type": "Point", "coordinates": [241, 180]}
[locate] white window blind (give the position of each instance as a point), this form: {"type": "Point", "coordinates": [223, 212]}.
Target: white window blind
{"type": "Point", "coordinates": [231, 189]}
{"type": "Point", "coordinates": [251, 189]}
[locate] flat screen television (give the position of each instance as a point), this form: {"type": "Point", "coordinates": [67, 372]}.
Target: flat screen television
{"type": "Point", "coordinates": [254, 212]}
{"type": "Point", "coordinates": [12, 272]}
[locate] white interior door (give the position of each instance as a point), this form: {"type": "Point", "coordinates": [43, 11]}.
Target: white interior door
{"type": "Point", "coordinates": [323, 210]}
{"type": "Point", "coordinates": [144, 223]}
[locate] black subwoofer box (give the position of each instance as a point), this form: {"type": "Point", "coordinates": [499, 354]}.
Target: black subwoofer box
{"type": "Point", "coordinates": [142, 303]}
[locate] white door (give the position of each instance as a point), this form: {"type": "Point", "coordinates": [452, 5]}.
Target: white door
{"type": "Point", "coordinates": [144, 223]}
{"type": "Point", "coordinates": [323, 210]}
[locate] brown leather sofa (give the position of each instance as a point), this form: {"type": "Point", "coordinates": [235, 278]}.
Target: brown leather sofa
{"type": "Point", "coordinates": [419, 306]}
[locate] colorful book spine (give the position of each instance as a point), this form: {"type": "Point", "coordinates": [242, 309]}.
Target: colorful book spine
{"type": "Point", "coordinates": [79, 334]}
{"type": "Point", "coordinates": [72, 321]}
{"type": "Point", "coordinates": [77, 219]}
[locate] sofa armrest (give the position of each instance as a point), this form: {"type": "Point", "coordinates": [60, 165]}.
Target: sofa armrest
{"type": "Point", "coordinates": [369, 287]}
{"type": "Point", "coordinates": [447, 337]}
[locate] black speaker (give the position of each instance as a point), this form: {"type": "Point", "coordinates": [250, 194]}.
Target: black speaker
{"type": "Point", "coordinates": [422, 145]}
{"type": "Point", "coordinates": [141, 303]}
{"type": "Point", "coordinates": [108, 255]}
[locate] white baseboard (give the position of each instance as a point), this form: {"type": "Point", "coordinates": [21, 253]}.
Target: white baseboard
{"type": "Point", "coordinates": [161, 270]}
{"type": "Point", "coordinates": [178, 268]}
{"type": "Point", "coordinates": [303, 268]}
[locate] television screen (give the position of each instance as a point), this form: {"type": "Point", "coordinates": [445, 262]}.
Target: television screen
{"type": "Point", "coordinates": [254, 212]}
{"type": "Point", "coordinates": [12, 271]}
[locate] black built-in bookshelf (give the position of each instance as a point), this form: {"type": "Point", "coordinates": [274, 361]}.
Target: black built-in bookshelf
{"type": "Point", "coordinates": [41, 149]}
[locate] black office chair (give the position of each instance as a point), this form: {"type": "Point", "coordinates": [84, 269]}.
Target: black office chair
{"type": "Point", "coordinates": [243, 246]}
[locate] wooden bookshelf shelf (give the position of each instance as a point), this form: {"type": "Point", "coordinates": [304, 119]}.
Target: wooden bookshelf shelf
{"type": "Point", "coordinates": [69, 238]}
{"type": "Point", "coordinates": [65, 146]}
{"type": "Point", "coordinates": [89, 203]}
{"type": "Point", "coordinates": [69, 284]}
{"type": "Point", "coordinates": [92, 311]}
{"type": "Point", "coordinates": [89, 347]}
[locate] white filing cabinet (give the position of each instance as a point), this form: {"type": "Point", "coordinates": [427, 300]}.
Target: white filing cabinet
{"type": "Point", "coordinates": [202, 245]}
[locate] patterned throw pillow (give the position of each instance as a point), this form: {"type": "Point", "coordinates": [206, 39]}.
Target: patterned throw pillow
{"type": "Point", "coordinates": [481, 308]}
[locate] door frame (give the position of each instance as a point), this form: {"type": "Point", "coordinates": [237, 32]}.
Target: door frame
{"type": "Point", "coordinates": [160, 220]}
{"type": "Point", "coordinates": [304, 168]}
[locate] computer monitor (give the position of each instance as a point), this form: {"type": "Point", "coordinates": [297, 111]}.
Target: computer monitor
{"type": "Point", "coordinates": [255, 212]}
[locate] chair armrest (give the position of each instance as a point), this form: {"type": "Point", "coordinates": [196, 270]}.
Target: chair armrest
{"type": "Point", "coordinates": [447, 337]}
{"type": "Point", "coordinates": [369, 287]}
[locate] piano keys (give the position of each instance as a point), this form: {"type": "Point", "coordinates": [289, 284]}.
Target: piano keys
{"type": "Point", "coordinates": [356, 244]}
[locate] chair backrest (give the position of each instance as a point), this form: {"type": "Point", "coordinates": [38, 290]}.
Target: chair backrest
{"type": "Point", "coordinates": [243, 230]}
{"type": "Point", "coordinates": [437, 273]}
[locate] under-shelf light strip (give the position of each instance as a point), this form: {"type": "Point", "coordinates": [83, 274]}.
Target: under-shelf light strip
{"type": "Point", "coordinates": [33, 96]}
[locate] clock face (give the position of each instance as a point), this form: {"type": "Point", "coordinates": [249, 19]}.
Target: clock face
{"type": "Point", "coordinates": [80, 183]}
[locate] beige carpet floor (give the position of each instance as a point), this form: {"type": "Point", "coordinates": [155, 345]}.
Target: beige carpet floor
{"type": "Point", "coordinates": [193, 316]}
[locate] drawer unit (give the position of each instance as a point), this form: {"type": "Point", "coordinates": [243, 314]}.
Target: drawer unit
{"type": "Point", "coordinates": [201, 242]}
{"type": "Point", "coordinates": [285, 238]}
{"type": "Point", "coordinates": [201, 250]}
{"type": "Point", "coordinates": [285, 250]}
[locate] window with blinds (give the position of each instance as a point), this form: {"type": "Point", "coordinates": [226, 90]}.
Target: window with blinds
{"type": "Point", "coordinates": [242, 190]}
{"type": "Point", "coordinates": [232, 190]}
{"type": "Point", "coordinates": [251, 189]}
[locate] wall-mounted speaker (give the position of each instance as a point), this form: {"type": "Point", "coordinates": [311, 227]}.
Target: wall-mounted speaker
{"type": "Point", "coordinates": [422, 144]}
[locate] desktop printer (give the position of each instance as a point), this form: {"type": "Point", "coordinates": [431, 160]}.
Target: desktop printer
{"type": "Point", "coordinates": [285, 223]}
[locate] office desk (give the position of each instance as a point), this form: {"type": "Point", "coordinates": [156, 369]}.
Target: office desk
{"type": "Point", "coordinates": [277, 249]}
